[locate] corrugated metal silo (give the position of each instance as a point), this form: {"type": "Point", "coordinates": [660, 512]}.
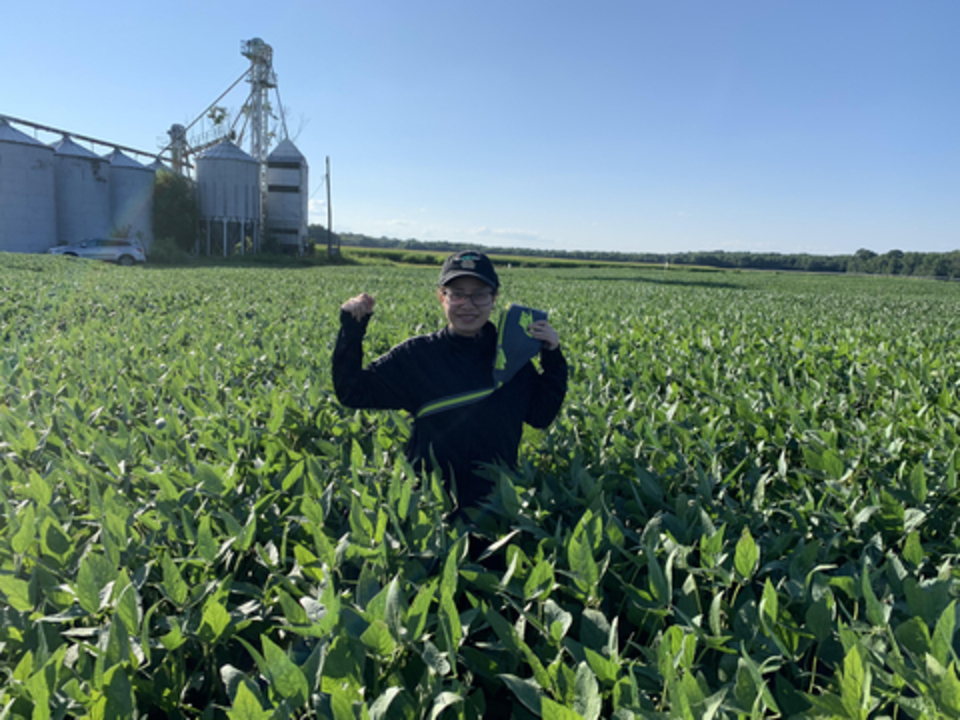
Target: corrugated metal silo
{"type": "Point", "coordinates": [228, 194]}
{"type": "Point", "coordinates": [83, 193]}
{"type": "Point", "coordinates": [288, 195]}
{"type": "Point", "coordinates": [131, 198]}
{"type": "Point", "coordinates": [28, 210]}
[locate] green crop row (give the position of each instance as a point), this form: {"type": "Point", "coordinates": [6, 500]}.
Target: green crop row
{"type": "Point", "coordinates": [748, 506]}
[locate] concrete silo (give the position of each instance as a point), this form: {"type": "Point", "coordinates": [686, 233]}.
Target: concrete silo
{"type": "Point", "coordinates": [83, 193]}
{"type": "Point", "coordinates": [288, 195]}
{"type": "Point", "coordinates": [131, 198]}
{"type": "Point", "coordinates": [228, 194]}
{"type": "Point", "coordinates": [28, 212]}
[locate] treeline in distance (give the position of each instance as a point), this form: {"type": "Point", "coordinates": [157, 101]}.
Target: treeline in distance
{"type": "Point", "coordinates": [894, 262]}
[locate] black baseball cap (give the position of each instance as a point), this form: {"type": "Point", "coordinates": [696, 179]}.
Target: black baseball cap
{"type": "Point", "coordinates": [469, 263]}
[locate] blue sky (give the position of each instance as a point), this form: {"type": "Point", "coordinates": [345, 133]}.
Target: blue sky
{"type": "Point", "coordinates": [760, 125]}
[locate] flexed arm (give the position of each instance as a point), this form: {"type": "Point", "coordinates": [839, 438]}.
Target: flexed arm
{"type": "Point", "coordinates": [381, 384]}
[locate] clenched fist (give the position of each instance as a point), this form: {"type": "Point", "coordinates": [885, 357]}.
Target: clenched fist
{"type": "Point", "coordinates": [360, 306]}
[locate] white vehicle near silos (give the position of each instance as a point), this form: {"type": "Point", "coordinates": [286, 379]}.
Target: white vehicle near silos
{"type": "Point", "coordinates": [123, 251]}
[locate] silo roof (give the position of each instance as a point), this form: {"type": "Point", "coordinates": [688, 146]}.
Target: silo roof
{"type": "Point", "coordinates": [66, 146]}
{"type": "Point", "coordinates": [286, 150]}
{"type": "Point", "coordinates": [226, 150]}
{"type": "Point", "coordinates": [8, 133]}
{"type": "Point", "coordinates": [118, 159]}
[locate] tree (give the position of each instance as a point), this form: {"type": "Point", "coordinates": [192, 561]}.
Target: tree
{"type": "Point", "coordinates": [175, 213]}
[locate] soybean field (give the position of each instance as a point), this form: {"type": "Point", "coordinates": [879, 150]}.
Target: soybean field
{"type": "Point", "coordinates": [748, 506]}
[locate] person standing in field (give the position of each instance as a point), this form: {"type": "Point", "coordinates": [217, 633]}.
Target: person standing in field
{"type": "Point", "coordinates": [462, 418]}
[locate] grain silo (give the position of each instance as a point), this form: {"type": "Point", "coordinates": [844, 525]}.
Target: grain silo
{"type": "Point", "coordinates": [131, 198]}
{"type": "Point", "coordinates": [83, 193]}
{"type": "Point", "coordinates": [28, 211]}
{"type": "Point", "coordinates": [228, 193]}
{"type": "Point", "coordinates": [288, 196]}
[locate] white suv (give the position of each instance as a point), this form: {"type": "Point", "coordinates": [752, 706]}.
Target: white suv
{"type": "Point", "coordinates": [119, 250]}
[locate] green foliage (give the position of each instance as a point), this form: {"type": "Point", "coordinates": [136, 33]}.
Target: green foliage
{"type": "Point", "coordinates": [175, 212]}
{"type": "Point", "coordinates": [167, 251]}
{"type": "Point", "coordinates": [748, 506]}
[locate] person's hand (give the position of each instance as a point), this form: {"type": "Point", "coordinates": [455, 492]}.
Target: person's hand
{"type": "Point", "coordinates": [542, 330]}
{"type": "Point", "coordinates": [360, 306]}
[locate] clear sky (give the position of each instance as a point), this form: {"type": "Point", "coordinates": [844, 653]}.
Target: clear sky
{"type": "Point", "coordinates": [818, 126]}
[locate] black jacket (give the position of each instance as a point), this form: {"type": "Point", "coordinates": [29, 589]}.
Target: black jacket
{"type": "Point", "coordinates": [429, 367]}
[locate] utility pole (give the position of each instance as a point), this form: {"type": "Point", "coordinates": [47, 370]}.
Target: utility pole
{"type": "Point", "coordinates": [330, 249]}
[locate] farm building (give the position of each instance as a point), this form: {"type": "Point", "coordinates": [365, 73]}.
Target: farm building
{"type": "Point", "coordinates": [28, 218]}
{"type": "Point", "coordinates": [64, 193]}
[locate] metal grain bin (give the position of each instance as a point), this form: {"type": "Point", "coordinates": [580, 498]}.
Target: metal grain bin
{"type": "Point", "coordinates": [288, 196]}
{"type": "Point", "coordinates": [28, 211]}
{"type": "Point", "coordinates": [131, 198]}
{"type": "Point", "coordinates": [83, 193]}
{"type": "Point", "coordinates": [228, 193]}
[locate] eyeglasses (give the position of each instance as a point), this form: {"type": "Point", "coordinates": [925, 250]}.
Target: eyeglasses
{"type": "Point", "coordinates": [479, 299]}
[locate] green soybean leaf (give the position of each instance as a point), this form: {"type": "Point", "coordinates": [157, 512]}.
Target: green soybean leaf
{"type": "Point", "coordinates": [416, 618]}
{"type": "Point", "coordinates": [876, 613]}
{"type": "Point", "coordinates": [832, 464]}
{"type": "Point", "coordinates": [769, 606]}
{"type": "Point", "coordinates": [539, 582]}
{"type": "Point", "coordinates": [249, 532]}
{"type": "Point", "coordinates": [557, 619]}
{"type": "Point", "coordinates": [173, 639]}
{"type": "Point", "coordinates": [450, 625]}
{"type": "Point", "coordinates": [214, 621]}
{"type": "Point", "coordinates": [209, 479]}
{"type": "Point", "coordinates": [747, 555]}
{"type": "Point", "coordinates": [378, 639]}
{"type": "Point", "coordinates": [128, 609]}
{"type": "Point", "coordinates": [379, 709]}
{"type": "Point", "coordinates": [588, 703]}
{"type": "Point", "coordinates": [949, 691]}
{"type": "Point", "coordinates": [173, 585]}
{"type": "Point", "coordinates": [441, 702]}
{"type": "Point", "coordinates": [912, 549]}
{"type": "Point", "coordinates": [851, 684]}
{"type": "Point", "coordinates": [88, 589]}
{"type": "Point", "coordinates": [120, 702]}
{"type": "Point", "coordinates": [606, 670]}
{"type": "Point", "coordinates": [206, 545]}
{"type": "Point", "coordinates": [584, 567]}
{"type": "Point", "coordinates": [917, 483]}
{"type": "Point", "coordinates": [527, 691]}
{"type": "Point", "coordinates": [554, 711]}
{"type": "Point", "coordinates": [942, 642]}
{"type": "Point", "coordinates": [284, 676]}
{"type": "Point", "coordinates": [914, 636]}
{"type": "Point", "coordinates": [819, 619]}
{"type": "Point", "coordinates": [246, 706]}
{"type": "Point", "coordinates": [394, 612]}
{"type": "Point", "coordinates": [292, 610]}
{"type": "Point", "coordinates": [661, 586]}
{"type": "Point", "coordinates": [17, 592]}
{"type": "Point", "coordinates": [27, 531]}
